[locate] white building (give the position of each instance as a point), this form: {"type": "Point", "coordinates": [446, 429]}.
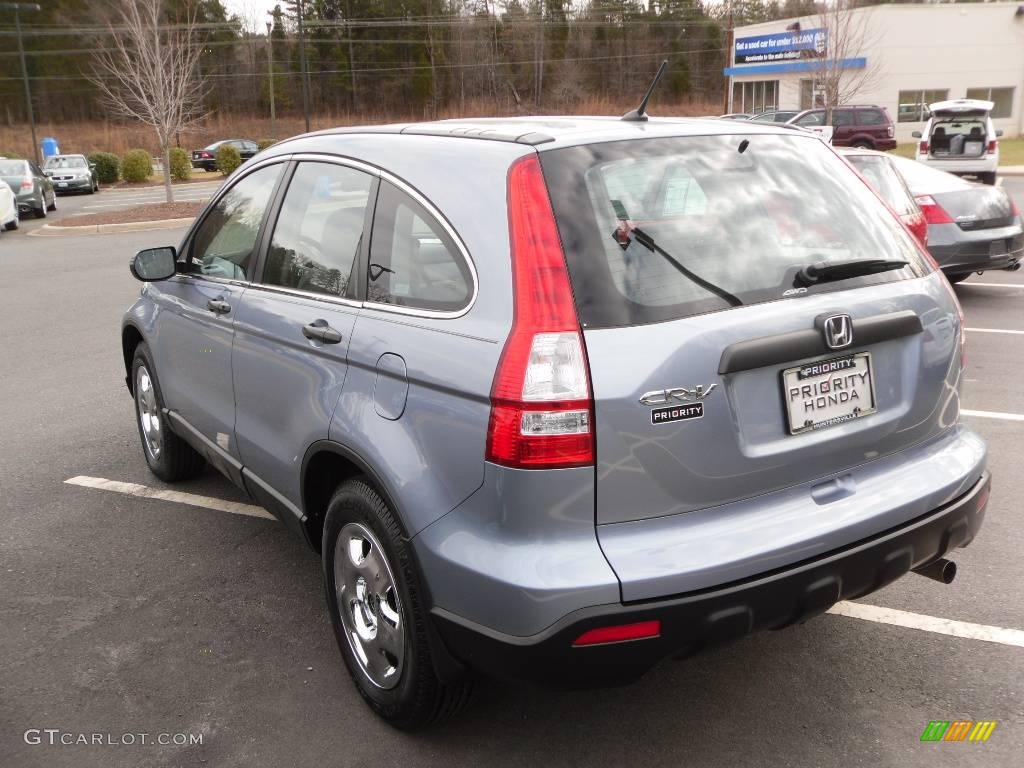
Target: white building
{"type": "Point", "coordinates": [918, 54]}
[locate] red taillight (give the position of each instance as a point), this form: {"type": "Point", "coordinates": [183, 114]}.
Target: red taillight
{"type": "Point", "coordinates": [923, 147]}
{"type": "Point", "coordinates": [933, 212]}
{"type": "Point", "coordinates": [890, 131]}
{"type": "Point", "coordinates": [992, 147]}
{"type": "Point", "coordinates": [26, 184]}
{"type": "Point", "coordinates": [621, 633]}
{"type": "Point", "coordinates": [541, 407]}
{"type": "Point", "coordinates": [1014, 210]}
{"type": "Point", "coordinates": [918, 227]}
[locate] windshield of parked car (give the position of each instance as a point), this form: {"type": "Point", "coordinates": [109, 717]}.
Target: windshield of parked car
{"type": "Point", "coordinates": [13, 167]}
{"type": "Point", "coordinates": [742, 214]}
{"type": "Point", "coordinates": [65, 162]}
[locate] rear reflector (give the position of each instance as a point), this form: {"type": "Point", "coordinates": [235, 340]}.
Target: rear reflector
{"type": "Point", "coordinates": [621, 633]}
{"type": "Point", "coordinates": [933, 212]}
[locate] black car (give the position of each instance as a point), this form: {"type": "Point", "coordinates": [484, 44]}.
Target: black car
{"type": "Point", "coordinates": [206, 158]}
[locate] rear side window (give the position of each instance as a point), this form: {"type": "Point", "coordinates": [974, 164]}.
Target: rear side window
{"type": "Point", "coordinates": [737, 226]}
{"type": "Point", "coordinates": [885, 181]}
{"type": "Point", "coordinates": [414, 263]}
{"type": "Point", "coordinates": [319, 229]}
{"type": "Point", "coordinates": [225, 242]}
{"type": "Point", "coordinates": [871, 117]}
{"type": "Point", "coordinates": [811, 118]}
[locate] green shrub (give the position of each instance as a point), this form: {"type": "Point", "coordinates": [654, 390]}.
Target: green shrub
{"type": "Point", "coordinates": [10, 155]}
{"type": "Point", "coordinates": [181, 164]}
{"type": "Point", "coordinates": [228, 158]}
{"type": "Point", "coordinates": [136, 165]}
{"type": "Point", "coordinates": [264, 143]}
{"type": "Point", "coordinates": [108, 166]}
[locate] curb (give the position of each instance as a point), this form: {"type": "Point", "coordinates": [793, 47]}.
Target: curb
{"type": "Point", "coordinates": [54, 230]}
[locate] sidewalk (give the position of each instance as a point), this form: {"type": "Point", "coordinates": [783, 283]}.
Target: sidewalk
{"type": "Point", "coordinates": [1011, 170]}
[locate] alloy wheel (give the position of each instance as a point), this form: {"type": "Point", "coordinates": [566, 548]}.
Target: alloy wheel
{"type": "Point", "coordinates": [371, 611]}
{"type": "Point", "coordinates": [149, 413]}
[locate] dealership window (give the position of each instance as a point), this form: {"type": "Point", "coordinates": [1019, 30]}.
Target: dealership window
{"type": "Point", "coordinates": [913, 105]}
{"type": "Point", "coordinates": [1002, 98]}
{"type": "Point", "coordinates": [811, 97]}
{"type": "Point", "coordinates": [755, 97]}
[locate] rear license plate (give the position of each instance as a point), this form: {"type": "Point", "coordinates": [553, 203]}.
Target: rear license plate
{"type": "Point", "coordinates": [828, 392]}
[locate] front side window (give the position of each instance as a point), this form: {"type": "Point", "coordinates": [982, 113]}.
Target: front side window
{"type": "Point", "coordinates": [665, 228]}
{"type": "Point", "coordinates": [224, 245]}
{"type": "Point", "coordinates": [413, 261]}
{"type": "Point", "coordinates": [811, 118]}
{"type": "Point", "coordinates": [319, 229]}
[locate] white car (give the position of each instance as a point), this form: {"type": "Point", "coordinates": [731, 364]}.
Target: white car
{"type": "Point", "coordinates": [960, 138]}
{"type": "Point", "coordinates": [8, 208]}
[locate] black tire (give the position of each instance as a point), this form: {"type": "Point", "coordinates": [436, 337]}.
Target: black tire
{"type": "Point", "coordinates": [862, 144]}
{"type": "Point", "coordinates": [987, 178]}
{"type": "Point", "coordinates": [176, 460]}
{"type": "Point", "coordinates": [12, 225]}
{"type": "Point", "coordinates": [53, 202]}
{"type": "Point", "coordinates": [40, 212]}
{"type": "Point", "coordinates": [954, 279]}
{"type": "Point", "coordinates": [419, 698]}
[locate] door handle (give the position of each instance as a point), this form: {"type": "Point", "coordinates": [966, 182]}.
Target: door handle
{"type": "Point", "coordinates": [218, 306]}
{"type": "Point", "coordinates": [320, 331]}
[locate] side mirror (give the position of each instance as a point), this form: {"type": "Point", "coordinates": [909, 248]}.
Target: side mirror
{"type": "Point", "coordinates": [154, 264]}
{"type": "Point", "coordinates": [999, 133]}
{"type": "Point", "coordinates": [916, 134]}
{"type": "Point", "coordinates": [92, 166]}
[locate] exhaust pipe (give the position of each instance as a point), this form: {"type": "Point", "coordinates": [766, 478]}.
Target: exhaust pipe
{"type": "Point", "coordinates": [941, 570]}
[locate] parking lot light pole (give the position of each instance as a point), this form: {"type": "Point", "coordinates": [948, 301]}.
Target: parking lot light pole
{"type": "Point", "coordinates": [270, 72]}
{"type": "Point", "coordinates": [17, 8]}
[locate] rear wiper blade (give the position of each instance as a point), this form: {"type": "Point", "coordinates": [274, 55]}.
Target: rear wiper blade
{"type": "Point", "coordinates": [648, 242]}
{"type": "Point", "coordinates": [828, 271]}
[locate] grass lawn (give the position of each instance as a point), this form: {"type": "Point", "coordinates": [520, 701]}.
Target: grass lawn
{"type": "Point", "coordinates": [1011, 151]}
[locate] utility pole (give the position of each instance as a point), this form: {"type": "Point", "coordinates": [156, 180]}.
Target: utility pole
{"type": "Point", "coordinates": [730, 40]}
{"type": "Point", "coordinates": [270, 72]}
{"type": "Point", "coordinates": [302, 64]}
{"type": "Point", "coordinates": [17, 8]}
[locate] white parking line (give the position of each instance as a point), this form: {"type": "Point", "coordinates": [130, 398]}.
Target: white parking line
{"type": "Point", "coordinates": [134, 489]}
{"type": "Point", "coordinates": [994, 330]}
{"type": "Point", "coordinates": [965, 629]}
{"type": "Point", "coordinates": [933, 624]}
{"type": "Point", "coordinates": [993, 415]}
{"type": "Point", "coordinates": [993, 285]}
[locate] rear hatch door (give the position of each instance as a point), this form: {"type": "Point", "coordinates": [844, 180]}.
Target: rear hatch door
{"type": "Point", "coordinates": [961, 108]}
{"type": "Point", "coordinates": [712, 374]}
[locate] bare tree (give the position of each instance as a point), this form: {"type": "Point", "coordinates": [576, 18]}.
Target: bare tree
{"type": "Point", "coordinates": [846, 33]}
{"type": "Point", "coordinates": [150, 72]}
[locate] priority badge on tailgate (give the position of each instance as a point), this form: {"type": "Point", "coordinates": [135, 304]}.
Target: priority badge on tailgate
{"type": "Point", "coordinates": [681, 403]}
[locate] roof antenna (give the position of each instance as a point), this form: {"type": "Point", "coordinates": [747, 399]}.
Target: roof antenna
{"type": "Point", "coordinates": [638, 115]}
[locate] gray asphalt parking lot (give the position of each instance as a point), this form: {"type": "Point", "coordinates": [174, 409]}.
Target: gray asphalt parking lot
{"type": "Point", "coordinates": [124, 614]}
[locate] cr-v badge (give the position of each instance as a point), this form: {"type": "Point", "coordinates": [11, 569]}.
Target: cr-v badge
{"type": "Point", "coordinates": [690, 405]}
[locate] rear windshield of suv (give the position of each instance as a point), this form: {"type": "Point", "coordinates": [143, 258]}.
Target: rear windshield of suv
{"type": "Point", "coordinates": [737, 216]}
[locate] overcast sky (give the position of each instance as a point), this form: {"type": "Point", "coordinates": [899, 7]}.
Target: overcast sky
{"type": "Point", "coordinates": [251, 10]}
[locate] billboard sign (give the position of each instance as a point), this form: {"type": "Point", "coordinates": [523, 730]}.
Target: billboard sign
{"type": "Point", "coordinates": [780, 46]}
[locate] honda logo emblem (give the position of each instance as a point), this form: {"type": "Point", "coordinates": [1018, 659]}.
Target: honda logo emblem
{"type": "Point", "coordinates": [838, 331]}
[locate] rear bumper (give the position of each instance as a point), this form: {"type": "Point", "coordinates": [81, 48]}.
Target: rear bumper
{"type": "Point", "coordinates": [704, 618]}
{"type": "Point", "coordinates": [958, 251]}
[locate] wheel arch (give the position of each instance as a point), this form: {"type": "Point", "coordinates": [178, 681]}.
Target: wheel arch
{"type": "Point", "coordinates": [131, 337]}
{"type": "Point", "coordinates": [325, 466]}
